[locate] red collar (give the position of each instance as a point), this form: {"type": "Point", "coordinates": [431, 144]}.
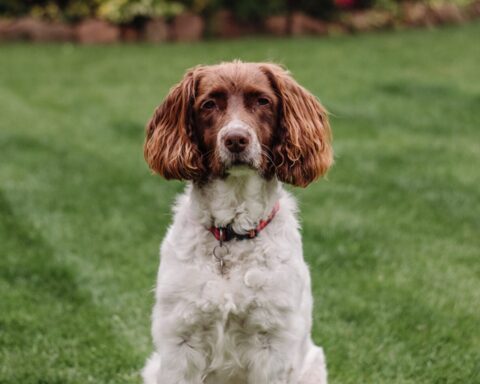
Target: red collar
{"type": "Point", "coordinates": [227, 233]}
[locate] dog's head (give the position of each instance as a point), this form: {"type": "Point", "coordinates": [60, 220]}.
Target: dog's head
{"type": "Point", "coordinates": [239, 114]}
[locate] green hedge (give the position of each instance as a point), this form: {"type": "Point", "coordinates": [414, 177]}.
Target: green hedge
{"type": "Point", "coordinates": [127, 11]}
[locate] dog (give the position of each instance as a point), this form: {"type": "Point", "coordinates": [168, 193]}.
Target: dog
{"type": "Point", "coordinates": [233, 301]}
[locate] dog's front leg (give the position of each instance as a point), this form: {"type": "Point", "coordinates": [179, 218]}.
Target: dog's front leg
{"type": "Point", "coordinates": [271, 363]}
{"type": "Point", "coordinates": [181, 364]}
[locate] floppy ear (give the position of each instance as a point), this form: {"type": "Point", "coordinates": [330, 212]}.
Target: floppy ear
{"type": "Point", "coordinates": [170, 147]}
{"type": "Point", "coordinates": [302, 151]}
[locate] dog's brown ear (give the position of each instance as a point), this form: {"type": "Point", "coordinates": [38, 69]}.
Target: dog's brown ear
{"type": "Point", "coordinates": [303, 150]}
{"type": "Point", "coordinates": [170, 149]}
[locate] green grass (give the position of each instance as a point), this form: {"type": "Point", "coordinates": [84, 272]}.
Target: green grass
{"type": "Point", "coordinates": [392, 236]}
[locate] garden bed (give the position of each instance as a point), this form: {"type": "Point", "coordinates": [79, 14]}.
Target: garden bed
{"type": "Point", "coordinates": [183, 24]}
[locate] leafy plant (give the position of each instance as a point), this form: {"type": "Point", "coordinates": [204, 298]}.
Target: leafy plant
{"type": "Point", "coordinates": [124, 11]}
{"type": "Point", "coordinates": [252, 10]}
{"type": "Point", "coordinates": [316, 8]}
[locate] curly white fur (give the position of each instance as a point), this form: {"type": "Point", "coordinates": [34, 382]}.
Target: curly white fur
{"type": "Point", "coordinates": [250, 325]}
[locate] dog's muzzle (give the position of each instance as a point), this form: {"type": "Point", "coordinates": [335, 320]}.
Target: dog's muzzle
{"type": "Point", "coordinates": [238, 145]}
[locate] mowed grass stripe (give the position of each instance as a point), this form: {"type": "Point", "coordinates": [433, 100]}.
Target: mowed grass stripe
{"type": "Point", "coordinates": [49, 326]}
{"type": "Point", "coordinates": [93, 210]}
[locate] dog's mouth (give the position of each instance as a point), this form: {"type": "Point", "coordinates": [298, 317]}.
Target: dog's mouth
{"type": "Point", "coordinates": [240, 170]}
{"type": "Point", "coordinates": [239, 160]}
{"type": "Point", "coordinates": [238, 165]}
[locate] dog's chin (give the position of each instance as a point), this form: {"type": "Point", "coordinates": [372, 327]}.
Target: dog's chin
{"type": "Point", "coordinates": [234, 165]}
{"type": "Point", "coordinates": [240, 167]}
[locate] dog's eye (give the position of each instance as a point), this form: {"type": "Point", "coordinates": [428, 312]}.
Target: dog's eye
{"type": "Point", "coordinates": [209, 104]}
{"type": "Point", "coordinates": [263, 101]}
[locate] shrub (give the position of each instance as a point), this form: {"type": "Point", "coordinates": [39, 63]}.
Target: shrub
{"type": "Point", "coordinates": [323, 9]}
{"type": "Point", "coordinates": [13, 7]}
{"type": "Point", "coordinates": [70, 10]}
{"type": "Point", "coordinates": [245, 10]}
{"type": "Point", "coordinates": [252, 10]}
{"type": "Point", "coordinates": [66, 10]}
{"type": "Point", "coordinates": [125, 11]}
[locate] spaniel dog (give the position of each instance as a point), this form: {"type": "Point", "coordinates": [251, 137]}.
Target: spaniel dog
{"type": "Point", "coordinates": [233, 301]}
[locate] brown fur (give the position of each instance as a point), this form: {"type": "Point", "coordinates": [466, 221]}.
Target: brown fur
{"type": "Point", "coordinates": [292, 128]}
{"type": "Point", "coordinates": [304, 150]}
{"type": "Point", "coordinates": [170, 149]}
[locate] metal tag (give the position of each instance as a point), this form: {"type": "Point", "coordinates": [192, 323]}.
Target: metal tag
{"type": "Point", "coordinates": [219, 252]}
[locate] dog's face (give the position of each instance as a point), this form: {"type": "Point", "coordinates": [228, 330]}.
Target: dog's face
{"type": "Point", "coordinates": [239, 114]}
{"type": "Point", "coordinates": [235, 115]}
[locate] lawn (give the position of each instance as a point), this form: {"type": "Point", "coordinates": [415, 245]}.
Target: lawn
{"type": "Point", "coordinates": [391, 236]}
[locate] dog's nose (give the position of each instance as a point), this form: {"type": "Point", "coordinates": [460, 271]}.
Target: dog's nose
{"type": "Point", "coordinates": [236, 141]}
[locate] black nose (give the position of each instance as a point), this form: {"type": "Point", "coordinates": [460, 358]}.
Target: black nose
{"type": "Point", "coordinates": [236, 142]}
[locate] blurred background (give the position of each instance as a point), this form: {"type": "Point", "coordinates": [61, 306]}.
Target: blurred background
{"type": "Point", "coordinates": [391, 235]}
{"type": "Point", "coordinates": [107, 21]}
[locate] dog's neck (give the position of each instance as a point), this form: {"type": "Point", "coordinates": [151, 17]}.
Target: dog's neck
{"type": "Point", "coordinates": [242, 200]}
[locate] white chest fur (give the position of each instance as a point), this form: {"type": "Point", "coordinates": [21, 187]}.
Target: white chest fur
{"type": "Point", "coordinates": [250, 324]}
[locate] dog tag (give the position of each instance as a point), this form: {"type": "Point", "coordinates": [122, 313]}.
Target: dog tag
{"type": "Point", "coordinates": [219, 252]}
